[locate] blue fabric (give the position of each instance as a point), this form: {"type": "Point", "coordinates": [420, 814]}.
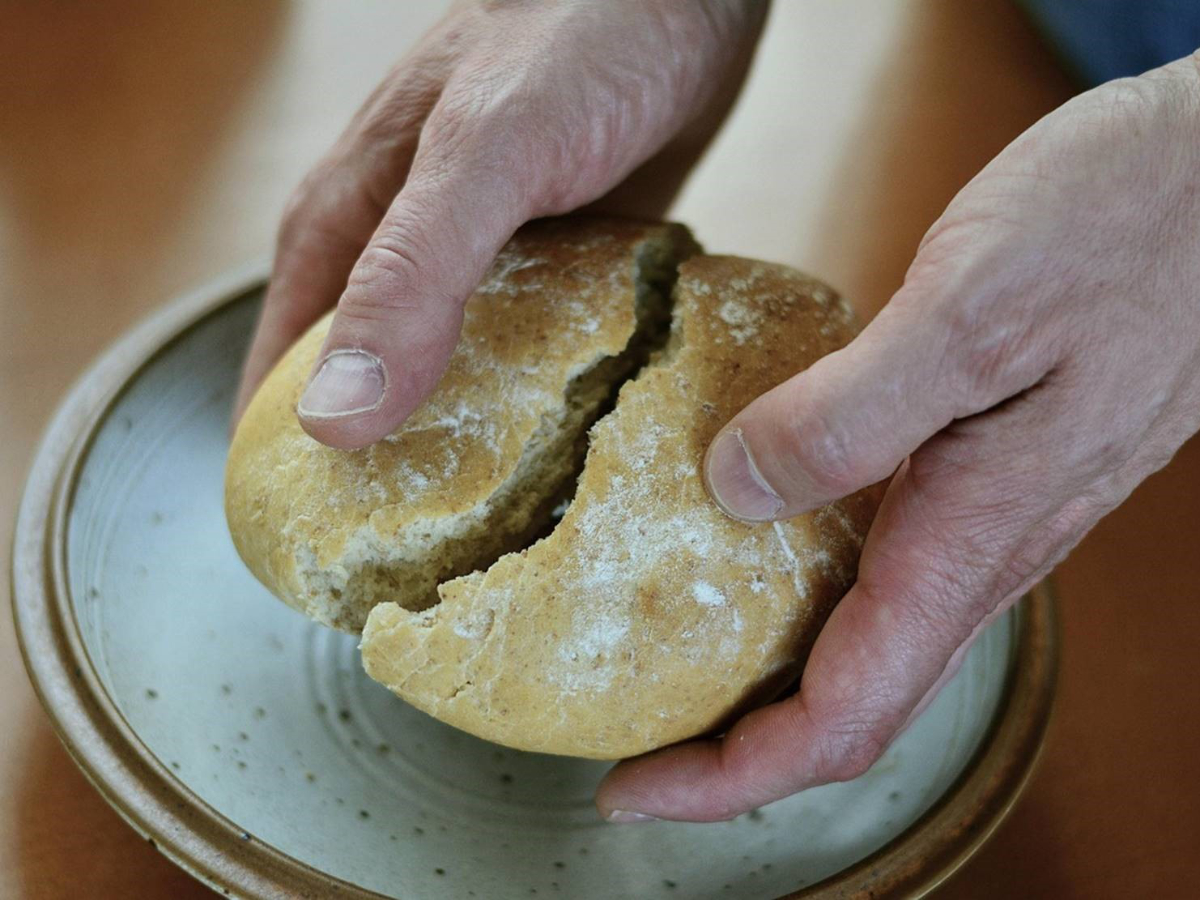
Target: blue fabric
{"type": "Point", "coordinates": [1104, 39]}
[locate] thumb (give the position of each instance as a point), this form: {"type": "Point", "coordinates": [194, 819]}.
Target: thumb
{"type": "Point", "coordinates": [399, 318]}
{"type": "Point", "coordinates": [851, 418]}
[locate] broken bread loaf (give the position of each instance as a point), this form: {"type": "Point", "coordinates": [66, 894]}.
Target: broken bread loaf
{"type": "Point", "coordinates": [644, 615]}
{"type": "Point", "coordinates": [568, 310]}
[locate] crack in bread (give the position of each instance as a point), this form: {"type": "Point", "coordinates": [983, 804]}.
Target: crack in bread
{"type": "Point", "coordinates": [647, 616]}
{"type": "Point", "coordinates": [643, 616]}
{"type": "Point", "coordinates": [567, 313]}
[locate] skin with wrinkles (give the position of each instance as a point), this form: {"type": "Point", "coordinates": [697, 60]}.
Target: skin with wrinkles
{"type": "Point", "coordinates": [1042, 359]}
{"type": "Point", "coordinates": [1039, 361]}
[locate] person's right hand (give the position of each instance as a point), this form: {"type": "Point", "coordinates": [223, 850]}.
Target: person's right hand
{"type": "Point", "coordinates": [1040, 360]}
{"type": "Point", "coordinates": [504, 112]}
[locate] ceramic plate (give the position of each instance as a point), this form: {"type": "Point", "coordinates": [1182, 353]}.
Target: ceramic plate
{"type": "Point", "coordinates": [249, 745]}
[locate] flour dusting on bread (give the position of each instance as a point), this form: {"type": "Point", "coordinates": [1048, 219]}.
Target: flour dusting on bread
{"type": "Point", "coordinates": [646, 616]}
{"type": "Point", "coordinates": [567, 312]}
{"type": "Point", "coordinates": [535, 560]}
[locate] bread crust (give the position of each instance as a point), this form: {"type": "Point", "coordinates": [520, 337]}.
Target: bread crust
{"type": "Point", "coordinates": [646, 616]}
{"type": "Point", "coordinates": [477, 467]}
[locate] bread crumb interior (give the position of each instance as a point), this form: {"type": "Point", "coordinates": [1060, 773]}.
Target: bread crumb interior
{"type": "Point", "coordinates": [532, 500]}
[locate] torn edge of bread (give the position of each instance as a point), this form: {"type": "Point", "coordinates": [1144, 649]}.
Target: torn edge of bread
{"type": "Point", "coordinates": [646, 616]}
{"type": "Point", "coordinates": [408, 567]}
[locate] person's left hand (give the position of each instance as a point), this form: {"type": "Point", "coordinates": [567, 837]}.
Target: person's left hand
{"type": "Point", "coordinates": [1041, 359]}
{"type": "Point", "coordinates": [502, 113]}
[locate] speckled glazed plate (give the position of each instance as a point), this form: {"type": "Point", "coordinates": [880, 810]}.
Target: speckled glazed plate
{"type": "Point", "coordinates": [247, 743]}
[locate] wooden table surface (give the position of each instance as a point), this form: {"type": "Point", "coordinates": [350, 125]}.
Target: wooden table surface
{"type": "Point", "coordinates": [147, 146]}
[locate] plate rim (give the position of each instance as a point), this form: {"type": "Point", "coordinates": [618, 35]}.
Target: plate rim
{"type": "Point", "coordinates": [212, 848]}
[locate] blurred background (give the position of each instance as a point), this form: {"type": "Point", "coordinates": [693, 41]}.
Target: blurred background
{"type": "Point", "coordinates": [149, 145]}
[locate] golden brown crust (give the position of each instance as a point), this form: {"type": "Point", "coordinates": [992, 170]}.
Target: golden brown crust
{"type": "Point", "coordinates": [647, 616]}
{"type": "Point", "coordinates": [314, 523]}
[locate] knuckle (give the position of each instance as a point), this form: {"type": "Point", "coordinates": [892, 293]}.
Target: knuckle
{"type": "Point", "coordinates": [1079, 515]}
{"type": "Point", "coordinates": [386, 263]}
{"type": "Point", "coordinates": [468, 145]}
{"type": "Point", "coordinates": [823, 450]}
{"type": "Point", "coordinates": [987, 352]}
{"type": "Point", "coordinates": [1102, 119]}
{"type": "Point", "coordinates": [396, 274]}
{"type": "Point", "coordinates": [858, 759]}
{"type": "Point", "coordinates": [400, 255]}
{"type": "Point", "coordinates": [980, 357]}
{"type": "Point", "coordinates": [481, 114]}
{"type": "Point", "coordinates": [851, 725]}
{"type": "Point", "coordinates": [329, 210]}
{"type": "Point", "coordinates": [395, 115]}
{"type": "Point", "coordinates": [450, 125]}
{"type": "Point", "coordinates": [509, 125]}
{"type": "Point", "coordinates": [995, 320]}
{"type": "Point", "coordinates": [1109, 452]}
{"type": "Point", "coordinates": [849, 750]}
{"type": "Point", "coordinates": [372, 306]}
{"type": "Point", "coordinates": [379, 287]}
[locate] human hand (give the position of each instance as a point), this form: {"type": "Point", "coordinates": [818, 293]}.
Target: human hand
{"type": "Point", "coordinates": [1041, 359]}
{"type": "Point", "coordinates": [504, 112]}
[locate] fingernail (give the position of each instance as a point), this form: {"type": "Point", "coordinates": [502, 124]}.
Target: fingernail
{"type": "Point", "coordinates": [628, 817]}
{"type": "Point", "coordinates": [735, 482]}
{"type": "Point", "coordinates": [348, 382]}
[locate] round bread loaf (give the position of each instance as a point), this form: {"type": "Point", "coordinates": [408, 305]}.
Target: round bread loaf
{"type": "Point", "coordinates": [643, 615]}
